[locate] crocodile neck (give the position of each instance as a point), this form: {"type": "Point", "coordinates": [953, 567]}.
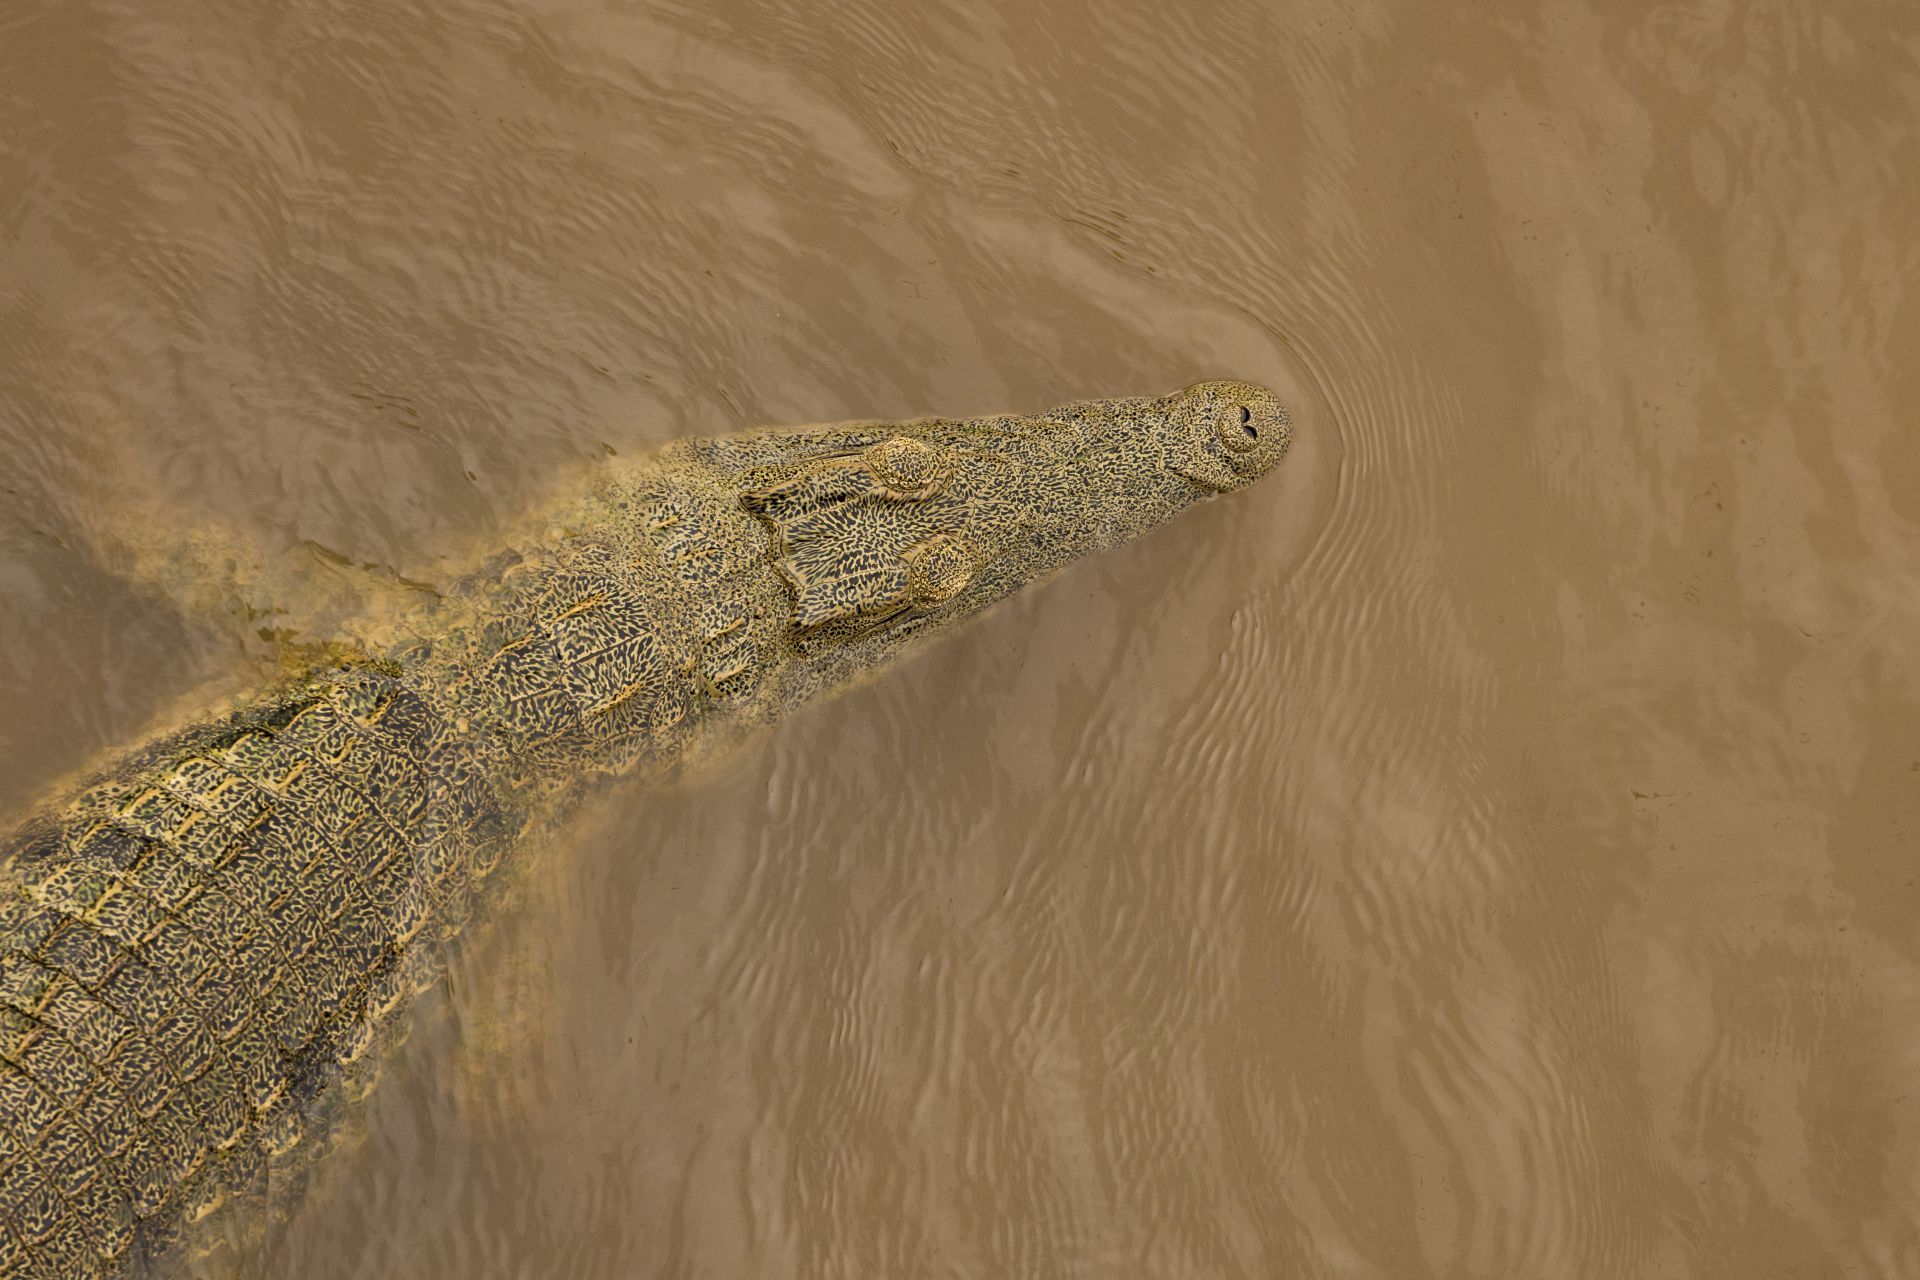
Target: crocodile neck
{"type": "Point", "coordinates": [653, 624]}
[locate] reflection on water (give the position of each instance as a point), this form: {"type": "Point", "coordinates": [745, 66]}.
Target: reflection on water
{"type": "Point", "coordinates": [1485, 851]}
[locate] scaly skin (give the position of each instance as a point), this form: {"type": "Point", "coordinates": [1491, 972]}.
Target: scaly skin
{"type": "Point", "coordinates": [199, 950]}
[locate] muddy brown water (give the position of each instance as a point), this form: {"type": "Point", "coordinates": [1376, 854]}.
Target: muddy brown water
{"type": "Point", "coordinates": [1487, 850]}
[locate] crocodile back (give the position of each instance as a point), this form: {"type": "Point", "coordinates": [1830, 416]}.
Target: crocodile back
{"type": "Point", "coordinates": [204, 941]}
{"type": "Point", "coordinates": [197, 952]}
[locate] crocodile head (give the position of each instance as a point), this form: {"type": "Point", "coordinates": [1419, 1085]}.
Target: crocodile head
{"type": "Point", "coordinates": [885, 530]}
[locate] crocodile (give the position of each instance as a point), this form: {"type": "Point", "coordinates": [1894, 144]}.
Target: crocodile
{"type": "Point", "coordinates": [201, 947]}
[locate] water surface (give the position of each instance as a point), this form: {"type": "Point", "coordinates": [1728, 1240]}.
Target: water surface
{"type": "Point", "coordinates": [1484, 851]}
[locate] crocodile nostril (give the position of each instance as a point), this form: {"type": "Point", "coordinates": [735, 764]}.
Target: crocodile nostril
{"type": "Point", "coordinates": [1237, 431]}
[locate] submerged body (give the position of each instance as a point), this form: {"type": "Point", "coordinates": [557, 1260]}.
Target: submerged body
{"type": "Point", "coordinates": [200, 951]}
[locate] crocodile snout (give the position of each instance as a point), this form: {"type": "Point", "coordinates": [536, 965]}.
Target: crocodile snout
{"type": "Point", "coordinates": [1225, 435]}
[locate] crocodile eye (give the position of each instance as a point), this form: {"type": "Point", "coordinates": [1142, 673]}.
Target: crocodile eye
{"type": "Point", "coordinates": [908, 468]}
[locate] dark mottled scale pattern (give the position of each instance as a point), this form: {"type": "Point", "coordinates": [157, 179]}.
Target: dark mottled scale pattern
{"type": "Point", "coordinates": [407, 975]}
{"type": "Point", "coordinates": [148, 812]}
{"type": "Point", "coordinates": [125, 916]}
{"type": "Point", "coordinates": [153, 973]}
{"type": "Point", "coordinates": [215, 1098]}
{"type": "Point", "coordinates": [44, 1173]}
{"type": "Point", "coordinates": [329, 808]}
{"type": "Point", "coordinates": [79, 950]}
{"type": "Point", "coordinates": [15, 1258]}
{"type": "Point", "coordinates": [601, 645]}
{"type": "Point", "coordinates": [95, 1029]}
{"type": "Point", "coordinates": [408, 725]}
{"type": "Point", "coordinates": [66, 1151]}
{"type": "Point", "coordinates": [256, 1062]}
{"type": "Point", "coordinates": [152, 1069]}
{"type": "Point", "coordinates": [24, 925]}
{"type": "Point", "coordinates": [590, 666]}
{"type": "Point", "coordinates": [182, 1139]}
{"type": "Point", "coordinates": [259, 757]}
{"type": "Point", "coordinates": [488, 839]}
{"type": "Point", "coordinates": [140, 1073]}
{"type": "Point", "coordinates": [23, 984]}
{"type": "Point", "coordinates": [325, 955]}
{"type": "Point", "coordinates": [287, 1017]}
{"type": "Point", "coordinates": [139, 994]}
{"type": "Point", "coordinates": [71, 1159]}
{"type": "Point", "coordinates": [449, 904]}
{"type": "Point", "coordinates": [104, 843]}
{"type": "Point", "coordinates": [29, 1110]}
{"type": "Point", "coordinates": [530, 704]}
{"type": "Point", "coordinates": [225, 999]}
{"type": "Point", "coordinates": [294, 861]}
{"type": "Point", "coordinates": [320, 731]}
{"type": "Point", "coordinates": [179, 924]}
{"type": "Point", "coordinates": [57, 1069]}
{"type": "Point", "coordinates": [165, 876]}
{"type": "Point", "coordinates": [108, 1213]}
{"type": "Point", "coordinates": [251, 875]}
{"type": "Point", "coordinates": [368, 844]}
{"type": "Point", "coordinates": [375, 764]}
{"type": "Point", "coordinates": [141, 1060]}
{"type": "Point", "coordinates": [20, 1179]}
{"type": "Point", "coordinates": [68, 1246]}
{"type": "Point", "coordinates": [107, 1114]}
{"type": "Point", "coordinates": [36, 1207]}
